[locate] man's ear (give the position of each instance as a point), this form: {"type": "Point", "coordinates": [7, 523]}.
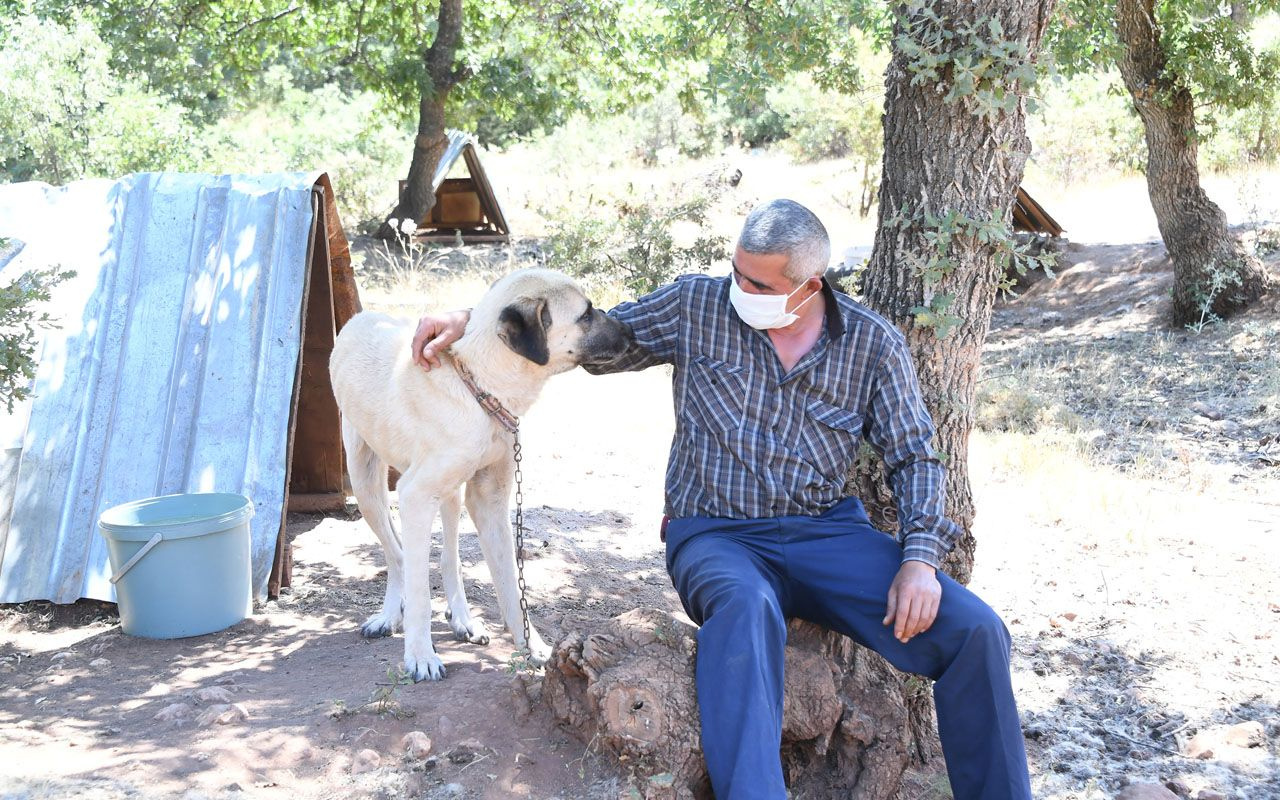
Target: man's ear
{"type": "Point", "coordinates": [522, 326]}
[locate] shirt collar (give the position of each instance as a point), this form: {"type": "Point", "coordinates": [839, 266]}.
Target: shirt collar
{"type": "Point", "coordinates": [835, 316]}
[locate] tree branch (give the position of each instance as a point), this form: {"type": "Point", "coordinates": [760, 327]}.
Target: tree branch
{"type": "Point", "coordinates": [440, 56]}
{"type": "Point", "coordinates": [272, 18]}
{"type": "Point", "coordinates": [356, 45]}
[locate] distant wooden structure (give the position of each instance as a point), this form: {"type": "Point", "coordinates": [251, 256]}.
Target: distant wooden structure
{"type": "Point", "coordinates": [1030, 217]}
{"type": "Point", "coordinates": [465, 207]}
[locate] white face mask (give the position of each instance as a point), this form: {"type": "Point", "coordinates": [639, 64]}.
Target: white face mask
{"type": "Point", "coordinates": [764, 311]}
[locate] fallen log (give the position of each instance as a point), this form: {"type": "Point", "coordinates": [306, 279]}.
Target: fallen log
{"type": "Point", "coordinates": [627, 689]}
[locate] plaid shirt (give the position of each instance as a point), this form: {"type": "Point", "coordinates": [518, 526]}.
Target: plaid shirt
{"type": "Point", "coordinates": [752, 442]}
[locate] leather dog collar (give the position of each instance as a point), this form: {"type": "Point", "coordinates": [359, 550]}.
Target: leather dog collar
{"type": "Point", "coordinates": [492, 405]}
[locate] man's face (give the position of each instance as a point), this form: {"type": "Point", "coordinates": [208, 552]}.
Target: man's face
{"type": "Point", "coordinates": [763, 273]}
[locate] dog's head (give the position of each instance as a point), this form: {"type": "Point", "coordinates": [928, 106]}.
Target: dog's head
{"type": "Point", "coordinates": [544, 317]}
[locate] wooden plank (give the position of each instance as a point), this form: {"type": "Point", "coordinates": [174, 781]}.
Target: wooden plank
{"type": "Point", "coordinates": [317, 449]}
{"type": "Point", "coordinates": [320, 503]}
{"type": "Point", "coordinates": [1033, 216]}
{"type": "Point", "coordinates": [467, 238]}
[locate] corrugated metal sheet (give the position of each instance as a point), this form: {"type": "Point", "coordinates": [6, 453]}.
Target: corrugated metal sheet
{"type": "Point", "coordinates": [173, 369]}
{"type": "Point", "coordinates": [458, 142]}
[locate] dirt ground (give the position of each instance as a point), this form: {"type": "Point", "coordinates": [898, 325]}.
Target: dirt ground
{"type": "Point", "coordinates": [1129, 528]}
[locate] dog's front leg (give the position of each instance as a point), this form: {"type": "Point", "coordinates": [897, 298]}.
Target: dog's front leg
{"type": "Point", "coordinates": [419, 502]}
{"type": "Point", "coordinates": [488, 501]}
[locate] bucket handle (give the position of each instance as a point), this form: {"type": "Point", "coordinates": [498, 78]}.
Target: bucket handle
{"type": "Point", "coordinates": [146, 548]}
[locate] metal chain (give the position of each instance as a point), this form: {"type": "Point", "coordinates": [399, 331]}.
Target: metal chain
{"type": "Point", "coordinates": [524, 600]}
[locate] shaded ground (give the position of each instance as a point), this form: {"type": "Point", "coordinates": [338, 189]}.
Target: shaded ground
{"type": "Point", "coordinates": [1126, 535]}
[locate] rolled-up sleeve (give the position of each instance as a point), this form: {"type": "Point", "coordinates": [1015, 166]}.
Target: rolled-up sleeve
{"type": "Point", "coordinates": [900, 429]}
{"type": "Point", "coordinates": [654, 322]}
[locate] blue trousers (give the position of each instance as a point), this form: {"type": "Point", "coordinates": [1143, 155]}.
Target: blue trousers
{"type": "Point", "coordinates": [741, 580]}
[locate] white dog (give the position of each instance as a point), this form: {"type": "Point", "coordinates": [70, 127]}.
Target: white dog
{"type": "Point", "coordinates": [432, 427]}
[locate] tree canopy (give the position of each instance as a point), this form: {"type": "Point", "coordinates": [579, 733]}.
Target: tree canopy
{"type": "Point", "coordinates": [1208, 47]}
{"type": "Point", "coordinates": [527, 63]}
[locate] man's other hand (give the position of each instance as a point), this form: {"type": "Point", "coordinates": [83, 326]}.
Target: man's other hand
{"type": "Point", "coordinates": [913, 600]}
{"type": "Point", "coordinates": [434, 335]}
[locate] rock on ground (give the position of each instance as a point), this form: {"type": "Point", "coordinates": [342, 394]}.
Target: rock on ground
{"type": "Point", "coordinates": [1146, 791]}
{"type": "Point", "coordinates": [416, 744]}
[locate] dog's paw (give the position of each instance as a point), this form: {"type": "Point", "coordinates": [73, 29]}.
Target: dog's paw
{"type": "Point", "coordinates": [469, 630]}
{"type": "Point", "coordinates": [539, 651]}
{"type": "Point", "coordinates": [426, 667]}
{"type": "Point", "coordinates": [379, 625]}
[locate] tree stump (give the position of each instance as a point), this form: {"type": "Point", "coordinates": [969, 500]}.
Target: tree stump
{"type": "Point", "coordinates": [627, 689]}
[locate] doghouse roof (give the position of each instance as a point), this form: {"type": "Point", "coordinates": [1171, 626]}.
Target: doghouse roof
{"type": "Point", "coordinates": [463, 145]}
{"type": "Point", "coordinates": [1030, 216]}
{"type": "Point", "coordinates": [190, 356]}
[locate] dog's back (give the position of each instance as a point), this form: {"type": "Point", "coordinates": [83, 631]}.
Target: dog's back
{"type": "Point", "coordinates": [381, 391]}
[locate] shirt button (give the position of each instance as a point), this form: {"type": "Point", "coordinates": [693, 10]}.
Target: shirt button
{"type": "Point", "coordinates": [773, 507]}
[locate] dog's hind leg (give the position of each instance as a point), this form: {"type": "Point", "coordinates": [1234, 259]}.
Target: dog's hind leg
{"type": "Point", "coordinates": [465, 627]}
{"type": "Point", "coordinates": [369, 481]}
{"type": "Point", "coordinates": [488, 497]}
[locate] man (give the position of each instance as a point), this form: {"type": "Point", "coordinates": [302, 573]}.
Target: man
{"type": "Point", "coordinates": [777, 379]}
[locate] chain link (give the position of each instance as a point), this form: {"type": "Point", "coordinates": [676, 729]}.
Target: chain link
{"type": "Point", "coordinates": [524, 600]}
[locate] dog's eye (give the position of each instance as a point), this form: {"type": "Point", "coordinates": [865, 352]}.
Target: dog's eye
{"type": "Point", "coordinates": [586, 315]}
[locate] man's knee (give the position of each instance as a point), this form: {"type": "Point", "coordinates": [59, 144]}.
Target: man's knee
{"type": "Point", "coordinates": [982, 626]}
{"type": "Point", "coordinates": [746, 606]}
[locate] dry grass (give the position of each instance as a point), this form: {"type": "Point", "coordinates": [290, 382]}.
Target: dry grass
{"type": "Point", "coordinates": [1158, 404]}
{"type": "Point", "coordinates": [408, 280]}
{"type": "Point", "coordinates": [1063, 482]}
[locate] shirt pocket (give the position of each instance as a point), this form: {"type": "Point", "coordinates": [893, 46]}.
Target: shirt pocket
{"type": "Point", "coordinates": [831, 437]}
{"type": "Point", "coordinates": [716, 395]}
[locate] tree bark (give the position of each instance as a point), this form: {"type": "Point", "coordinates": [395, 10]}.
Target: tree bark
{"type": "Point", "coordinates": [429, 145]}
{"type": "Point", "coordinates": [1214, 276]}
{"type": "Point", "coordinates": [942, 157]}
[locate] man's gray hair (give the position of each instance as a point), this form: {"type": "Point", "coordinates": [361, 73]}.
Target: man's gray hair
{"type": "Point", "coordinates": [786, 227]}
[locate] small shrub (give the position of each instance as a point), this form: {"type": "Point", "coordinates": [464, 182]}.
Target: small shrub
{"type": "Point", "coordinates": [19, 318]}
{"type": "Point", "coordinates": [1084, 127]}
{"type": "Point", "coordinates": [1015, 409]}
{"type": "Point", "coordinates": [293, 129]}
{"type": "Point", "coordinates": [632, 241]}
{"type": "Point", "coordinates": [64, 116]}
{"type": "Point", "coordinates": [672, 125]}
{"type": "Point", "coordinates": [1244, 138]}
{"type": "Point", "coordinates": [754, 123]}
{"type": "Point", "coordinates": [823, 124]}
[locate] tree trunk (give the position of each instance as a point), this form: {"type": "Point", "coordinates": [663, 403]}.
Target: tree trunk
{"type": "Point", "coordinates": [943, 158]}
{"type": "Point", "coordinates": [430, 143]}
{"type": "Point", "coordinates": [1214, 276]}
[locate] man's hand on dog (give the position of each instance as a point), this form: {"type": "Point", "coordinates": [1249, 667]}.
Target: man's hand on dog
{"type": "Point", "coordinates": [913, 600]}
{"type": "Point", "coordinates": [434, 335]}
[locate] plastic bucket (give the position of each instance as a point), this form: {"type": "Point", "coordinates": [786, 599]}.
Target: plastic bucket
{"type": "Point", "coordinates": [180, 563]}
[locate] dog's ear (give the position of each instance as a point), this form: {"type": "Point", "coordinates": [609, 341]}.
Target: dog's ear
{"type": "Point", "coordinates": [522, 326]}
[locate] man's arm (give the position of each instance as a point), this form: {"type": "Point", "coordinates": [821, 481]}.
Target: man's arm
{"type": "Point", "coordinates": [899, 428]}
{"type": "Point", "coordinates": [653, 321]}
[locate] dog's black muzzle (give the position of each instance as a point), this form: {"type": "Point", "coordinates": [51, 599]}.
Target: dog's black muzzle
{"type": "Point", "coordinates": [605, 339]}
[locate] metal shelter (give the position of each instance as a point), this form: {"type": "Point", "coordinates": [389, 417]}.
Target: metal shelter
{"type": "Point", "coordinates": [191, 355]}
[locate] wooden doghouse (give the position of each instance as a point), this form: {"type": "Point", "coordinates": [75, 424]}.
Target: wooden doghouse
{"type": "Point", "coordinates": [465, 207]}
